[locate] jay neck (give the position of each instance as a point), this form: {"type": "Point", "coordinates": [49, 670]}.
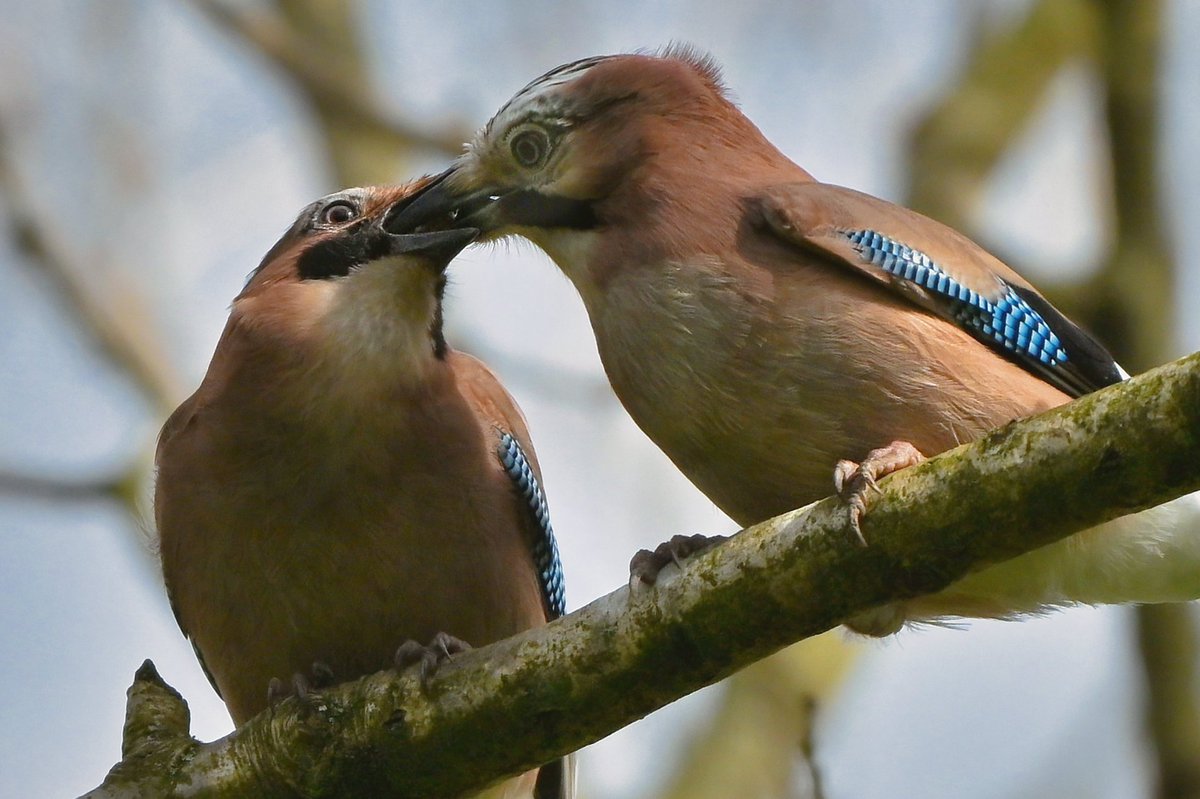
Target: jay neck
{"type": "Point", "coordinates": [383, 327]}
{"type": "Point", "coordinates": [370, 336]}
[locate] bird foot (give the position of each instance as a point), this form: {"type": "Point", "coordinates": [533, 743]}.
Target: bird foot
{"type": "Point", "coordinates": [304, 687]}
{"type": "Point", "coordinates": [440, 650]}
{"type": "Point", "coordinates": [645, 565]}
{"type": "Point", "coordinates": [853, 481]}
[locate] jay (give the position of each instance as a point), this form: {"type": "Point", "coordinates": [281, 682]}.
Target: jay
{"type": "Point", "coordinates": [344, 483]}
{"type": "Point", "coordinates": [767, 330]}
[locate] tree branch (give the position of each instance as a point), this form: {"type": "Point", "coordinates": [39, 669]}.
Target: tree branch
{"type": "Point", "coordinates": [323, 74]}
{"type": "Point", "coordinates": [37, 486]}
{"type": "Point", "coordinates": [528, 699]}
{"type": "Point", "coordinates": [957, 145]}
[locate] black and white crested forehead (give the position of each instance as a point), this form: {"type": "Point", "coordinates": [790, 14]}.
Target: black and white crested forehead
{"type": "Point", "coordinates": [539, 97]}
{"type": "Point", "coordinates": [544, 99]}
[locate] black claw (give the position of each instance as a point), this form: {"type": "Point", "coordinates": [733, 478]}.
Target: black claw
{"type": "Point", "coordinates": [441, 649]}
{"type": "Point", "coordinates": [856, 508]}
{"type": "Point", "coordinates": [304, 688]}
{"type": "Point", "coordinates": [428, 667]}
{"type": "Point", "coordinates": [301, 687]}
{"type": "Point", "coordinates": [645, 565]}
{"type": "Point", "coordinates": [323, 676]}
{"type": "Point", "coordinates": [447, 646]}
{"type": "Point", "coordinates": [276, 693]}
{"type": "Point", "coordinates": [407, 654]}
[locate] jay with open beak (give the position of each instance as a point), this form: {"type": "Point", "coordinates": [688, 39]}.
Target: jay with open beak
{"type": "Point", "coordinates": [343, 483]}
{"type": "Point", "coordinates": [770, 332]}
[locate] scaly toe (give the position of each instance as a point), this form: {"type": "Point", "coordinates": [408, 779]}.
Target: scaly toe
{"type": "Point", "coordinates": [429, 658]}
{"type": "Point", "coordinates": [644, 566]}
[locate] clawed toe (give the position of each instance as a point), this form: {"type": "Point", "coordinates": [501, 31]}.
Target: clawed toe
{"type": "Point", "coordinates": [853, 481]}
{"type": "Point", "coordinates": [276, 693]}
{"type": "Point", "coordinates": [322, 675]}
{"type": "Point", "coordinates": [301, 686]}
{"type": "Point", "coordinates": [645, 565]}
{"type": "Point", "coordinates": [440, 650]}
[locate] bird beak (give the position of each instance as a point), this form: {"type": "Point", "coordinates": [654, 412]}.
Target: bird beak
{"type": "Point", "coordinates": [447, 203]}
{"type": "Point", "coordinates": [438, 246]}
{"type": "Point", "coordinates": [442, 206]}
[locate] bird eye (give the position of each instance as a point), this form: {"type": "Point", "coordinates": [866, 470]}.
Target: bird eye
{"type": "Point", "coordinates": [338, 213]}
{"type": "Point", "coordinates": [530, 147]}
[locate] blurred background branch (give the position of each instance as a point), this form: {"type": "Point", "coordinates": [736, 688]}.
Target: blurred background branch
{"type": "Point", "coordinates": [958, 143]}
{"type": "Point", "coordinates": [317, 45]}
{"type": "Point", "coordinates": [760, 742]}
{"type": "Point", "coordinates": [1130, 299]}
{"type": "Point", "coordinates": [58, 489]}
{"type": "Point", "coordinates": [114, 313]}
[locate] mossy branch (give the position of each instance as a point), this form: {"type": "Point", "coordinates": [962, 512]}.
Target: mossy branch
{"type": "Point", "coordinates": [528, 699]}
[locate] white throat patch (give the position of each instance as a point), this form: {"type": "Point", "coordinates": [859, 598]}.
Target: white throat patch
{"type": "Point", "coordinates": [378, 324]}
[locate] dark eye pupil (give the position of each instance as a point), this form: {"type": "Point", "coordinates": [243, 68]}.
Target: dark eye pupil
{"type": "Point", "coordinates": [338, 214]}
{"type": "Point", "coordinates": [528, 148]}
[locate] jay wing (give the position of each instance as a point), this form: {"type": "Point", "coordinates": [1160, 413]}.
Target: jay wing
{"type": "Point", "coordinates": [543, 545]}
{"type": "Point", "coordinates": [947, 274]}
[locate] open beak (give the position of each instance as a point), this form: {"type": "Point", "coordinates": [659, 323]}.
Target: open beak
{"type": "Point", "coordinates": [443, 205]}
{"type": "Point", "coordinates": [439, 207]}
{"type": "Point", "coordinates": [437, 247]}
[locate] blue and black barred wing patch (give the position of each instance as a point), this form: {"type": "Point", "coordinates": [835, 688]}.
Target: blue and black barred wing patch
{"type": "Point", "coordinates": [968, 287]}
{"type": "Point", "coordinates": [1014, 320]}
{"type": "Point", "coordinates": [544, 548]}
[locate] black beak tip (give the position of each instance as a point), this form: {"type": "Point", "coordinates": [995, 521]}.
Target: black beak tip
{"type": "Point", "coordinates": [439, 246]}
{"type": "Point", "coordinates": [431, 206]}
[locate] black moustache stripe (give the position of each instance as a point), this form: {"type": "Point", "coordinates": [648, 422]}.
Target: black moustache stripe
{"type": "Point", "coordinates": [335, 257]}
{"type": "Point", "coordinates": [535, 209]}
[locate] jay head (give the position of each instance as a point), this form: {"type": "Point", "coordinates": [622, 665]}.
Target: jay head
{"type": "Point", "coordinates": [769, 331]}
{"type": "Point", "coordinates": [340, 291]}
{"type": "Point", "coordinates": [633, 143]}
